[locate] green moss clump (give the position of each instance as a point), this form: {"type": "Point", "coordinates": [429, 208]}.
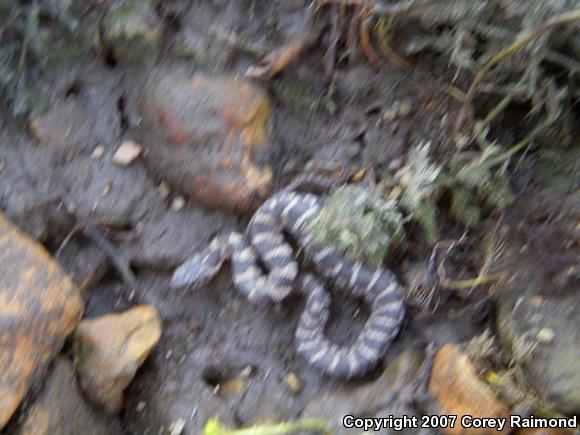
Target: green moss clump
{"type": "Point", "coordinates": [359, 221]}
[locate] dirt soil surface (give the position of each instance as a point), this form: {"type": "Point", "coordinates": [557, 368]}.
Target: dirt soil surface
{"type": "Point", "coordinates": [218, 354]}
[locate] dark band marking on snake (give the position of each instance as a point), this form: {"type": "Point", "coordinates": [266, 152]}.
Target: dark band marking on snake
{"type": "Point", "coordinates": [294, 213]}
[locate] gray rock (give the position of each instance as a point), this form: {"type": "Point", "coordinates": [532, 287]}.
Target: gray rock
{"type": "Point", "coordinates": [549, 326]}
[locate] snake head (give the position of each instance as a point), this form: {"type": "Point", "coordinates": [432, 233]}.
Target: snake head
{"type": "Point", "coordinates": [198, 270]}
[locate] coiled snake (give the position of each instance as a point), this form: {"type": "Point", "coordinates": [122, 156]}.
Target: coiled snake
{"type": "Point", "coordinates": [294, 213]}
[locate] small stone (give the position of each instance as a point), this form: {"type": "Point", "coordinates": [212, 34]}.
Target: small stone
{"type": "Point", "coordinates": [177, 427]}
{"type": "Point", "coordinates": [545, 335]}
{"type": "Point", "coordinates": [2, 164]}
{"type": "Point", "coordinates": [232, 386]}
{"type": "Point", "coordinates": [127, 153]}
{"type": "Point", "coordinates": [194, 324]}
{"type": "Point", "coordinates": [405, 108]}
{"type": "Point", "coordinates": [107, 189]}
{"type": "Point", "coordinates": [246, 372]}
{"type": "Point", "coordinates": [168, 354]}
{"type": "Point", "coordinates": [108, 351]}
{"type": "Point", "coordinates": [164, 190]}
{"type": "Point", "coordinates": [536, 301]}
{"type": "Point", "coordinates": [389, 115]}
{"type": "Point", "coordinates": [98, 152]}
{"type": "Point", "coordinates": [141, 406]}
{"type": "Point", "coordinates": [293, 383]}
{"type": "Point", "coordinates": [178, 203]}
{"type": "Point", "coordinates": [396, 164]}
{"type": "Point", "coordinates": [395, 193]}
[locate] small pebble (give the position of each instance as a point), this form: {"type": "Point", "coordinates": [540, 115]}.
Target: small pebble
{"type": "Point", "coordinates": [168, 354]}
{"type": "Point", "coordinates": [177, 427]}
{"type": "Point", "coordinates": [178, 203]}
{"type": "Point", "coordinates": [140, 406]}
{"type": "Point", "coordinates": [164, 190]}
{"type": "Point", "coordinates": [395, 193]}
{"type": "Point", "coordinates": [390, 114]}
{"type": "Point", "coordinates": [396, 164]}
{"type": "Point", "coordinates": [127, 153]}
{"type": "Point", "coordinates": [293, 383]}
{"type": "Point", "coordinates": [545, 335]}
{"type": "Point", "coordinates": [98, 152]}
{"type": "Point", "coordinates": [2, 163]}
{"type": "Point", "coordinates": [193, 324]}
{"type": "Point", "coordinates": [232, 387]}
{"type": "Point", "coordinates": [107, 189]}
{"type": "Point", "coordinates": [536, 301]}
{"type": "Point", "coordinates": [405, 108]}
{"type": "Point", "coordinates": [246, 372]}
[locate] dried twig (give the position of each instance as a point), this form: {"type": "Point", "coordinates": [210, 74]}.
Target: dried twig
{"type": "Point", "coordinates": [330, 55]}
{"type": "Point", "coordinates": [280, 58]}
{"type": "Point", "coordinates": [391, 55]}
{"type": "Point", "coordinates": [118, 261]}
{"type": "Point", "coordinates": [441, 251]}
{"type": "Point", "coordinates": [365, 39]}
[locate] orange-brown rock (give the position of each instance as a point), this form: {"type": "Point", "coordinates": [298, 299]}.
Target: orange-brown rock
{"type": "Point", "coordinates": [109, 350]}
{"type": "Point", "coordinates": [208, 136]}
{"type": "Point", "coordinates": [39, 307]}
{"type": "Point", "coordinates": [459, 391]}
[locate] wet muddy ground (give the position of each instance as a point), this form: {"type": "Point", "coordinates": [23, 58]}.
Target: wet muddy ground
{"type": "Point", "coordinates": [220, 355]}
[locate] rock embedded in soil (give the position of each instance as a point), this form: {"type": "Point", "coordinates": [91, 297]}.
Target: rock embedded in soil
{"type": "Point", "coordinates": [127, 153]}
{"type": "Point", "coordinates": [293, 383]}
{"type": "Point", "coordinates": [459, 391]}
{"type": "Point", "coordinates": [550, 330]}
{"type": "Point", "coordinates": [39, 307]}
{"type": "Point", "coordinates": [538, 313]}
{"type": "Point", "coordinates": [109, 350]}
{"type": "Point", "coordinates": [208, 136]}
{"type": "Point", "coordinates": [61, 409]}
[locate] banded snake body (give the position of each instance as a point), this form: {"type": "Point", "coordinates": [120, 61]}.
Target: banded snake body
{"type": "Point", "coordinates": [294, 213]}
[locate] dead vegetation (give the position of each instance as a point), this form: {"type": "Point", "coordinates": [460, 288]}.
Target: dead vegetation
{"type": "Point", "coordinates": [520, 54]}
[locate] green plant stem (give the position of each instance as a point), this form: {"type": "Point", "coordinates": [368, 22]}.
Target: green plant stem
{"type": "Point", "coordinates": [497, 109]}
{"type": "Point", "coordinates": [213, 427]}
{"type": "Point", "coordinates": [521, 144]}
